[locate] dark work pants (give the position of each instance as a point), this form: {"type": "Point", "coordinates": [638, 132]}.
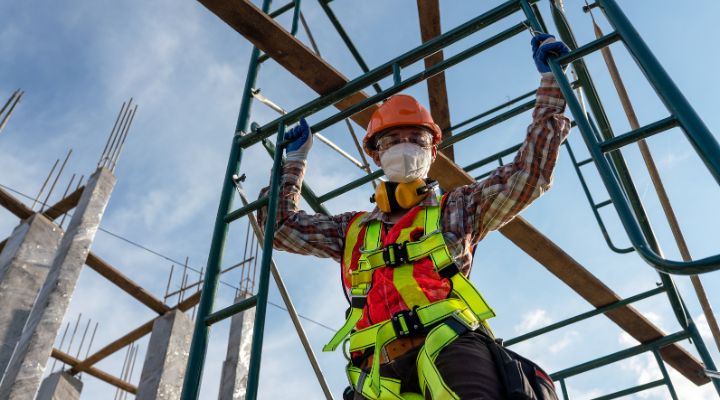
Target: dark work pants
{"type": "Point", "coordinates": [465, 365]}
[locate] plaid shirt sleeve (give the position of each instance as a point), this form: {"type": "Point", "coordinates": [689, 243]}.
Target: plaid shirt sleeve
{"type": "Point", "coordinates": [299, 232]}
{"type": "Point", "coordinates": [472, 211]}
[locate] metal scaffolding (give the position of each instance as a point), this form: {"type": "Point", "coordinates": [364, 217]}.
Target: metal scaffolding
{"type": "Point", "coordinates": [272, 41]}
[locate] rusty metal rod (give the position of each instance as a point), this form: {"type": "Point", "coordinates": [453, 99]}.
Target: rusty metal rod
{"type": "Point", "coordinates": [116, 154]}
{"type": "Point", "coordinates": [10, 111]}
{"type": "Point", "coordinates": [107, 142]}
{"type": "Point", "coordinates": [123, 121]}
{"type": "Point", "coordinates": [57, 177]}
{"type": "Point", "coordinates": [42, 188]}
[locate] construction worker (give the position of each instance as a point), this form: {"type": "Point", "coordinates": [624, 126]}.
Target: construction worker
{"type": "Point", "coordinates": [416, 325]}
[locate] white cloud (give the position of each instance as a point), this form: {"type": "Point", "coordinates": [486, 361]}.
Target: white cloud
{"type": "Point", "coordinates": [532, 320]}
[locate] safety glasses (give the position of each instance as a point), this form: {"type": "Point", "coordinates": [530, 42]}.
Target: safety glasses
{"type": "Point", "coordinates": [418, 137]}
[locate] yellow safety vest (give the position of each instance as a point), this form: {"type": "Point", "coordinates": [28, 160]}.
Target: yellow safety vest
{"type": "Point", "coordinates": [443, 320]}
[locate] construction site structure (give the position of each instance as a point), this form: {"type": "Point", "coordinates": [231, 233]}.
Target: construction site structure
{"type": "Point", "coordinates": [272, 41]}
{"type": "Point", "coordinates": [41, 260]}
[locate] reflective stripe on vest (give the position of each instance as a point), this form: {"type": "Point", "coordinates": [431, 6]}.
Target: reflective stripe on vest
{"type": "Point", "coordinates": [465, 304]}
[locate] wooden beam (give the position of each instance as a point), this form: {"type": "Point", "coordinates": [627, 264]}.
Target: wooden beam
{"type": "Point", "coordinates": [22, 211]}
{"type": "Point", "coordinates": [268, 36]}
{"type": "Point", "coordinates": [110, 273]}
{"type": "Point", "coordinates": [64, 205]}
{"type": "Point", "coordinates": [130, 337]}
{"type": "Point", "coordinates": [102, 375]}
{"type": "Point", "coordinates": [14, 205]}
{"type": "Point", "coordinates": [17, 207]}
{"type": "Point", "coordinates": [429, 17]}
{"type": "Point", "coordinates": [563, 266]}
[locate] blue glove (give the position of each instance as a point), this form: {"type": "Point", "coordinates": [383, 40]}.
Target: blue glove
{"type": "Point", "coordinates": [544, 45]}
{"type": "Point", "coordinates": [301, 141]}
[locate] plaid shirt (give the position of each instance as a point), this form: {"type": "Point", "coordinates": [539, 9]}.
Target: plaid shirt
{"type": "Point", "coordinates": [470, 212]}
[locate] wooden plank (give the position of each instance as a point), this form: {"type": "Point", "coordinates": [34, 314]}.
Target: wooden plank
{"type": "Point", "coordinates": [429, 17]}
{"type": "Point", "coordinates": [563, 266]}
{"type": "Point", "coordinates": [64, 205]}
{"type": "Point", "coordinates": [267, 35]}
{"type": "Point", "coordinates": [130, 337]}
{"type": "Point", "coordinates": [110, 273]}
{"type": "Point", "coordinates": [300, 61]}
{"type": "Point", "coordinates": [102, 375]}
{"type": "Point", "coordinates": [14, 205]}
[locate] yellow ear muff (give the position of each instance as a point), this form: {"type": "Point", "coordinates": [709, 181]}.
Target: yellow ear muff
{"type": "Point", "coordinates": [381, 197]}
{"type": "Point", "coordinates": [392, 196]}
{"type": "Point", "coordinates": [406, 194]}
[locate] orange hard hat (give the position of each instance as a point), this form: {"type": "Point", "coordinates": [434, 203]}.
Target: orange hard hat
{"type": "Point", "coordinates": [399, 110]}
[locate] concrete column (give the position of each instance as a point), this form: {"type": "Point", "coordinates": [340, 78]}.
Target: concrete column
{"type": "Point", "coordinates": [60, 386]}
{"type": "Point", "coordinates": [166, 360]}
{"type": "Point", "coordinates": [23, 375]}
{"type": "Point", "coordinates": [24, 265]}
{"type": "Point", "coordinates": [233, 382]}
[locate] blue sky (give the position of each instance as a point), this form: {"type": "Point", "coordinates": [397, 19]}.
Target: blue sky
{"type": "Point", "coordinates": [78, 61]}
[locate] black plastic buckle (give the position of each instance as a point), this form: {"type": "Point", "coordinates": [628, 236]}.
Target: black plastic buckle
{"type": "Point", "coordinates": [449, 271]}
{"type": "Point", "coordinates": [412, 323]}
{"type": "Point", "coordinates": [399, 254]}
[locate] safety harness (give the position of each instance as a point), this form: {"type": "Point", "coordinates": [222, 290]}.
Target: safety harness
{"type": "Point", "coordinates": [443, 321]}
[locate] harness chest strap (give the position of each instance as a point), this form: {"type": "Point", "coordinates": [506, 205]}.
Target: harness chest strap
{"type": "Point", "coordinates": [466, 308]}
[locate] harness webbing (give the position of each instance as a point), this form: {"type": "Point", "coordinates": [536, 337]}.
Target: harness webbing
{"type": "Point", "coordinates": [442, 320]}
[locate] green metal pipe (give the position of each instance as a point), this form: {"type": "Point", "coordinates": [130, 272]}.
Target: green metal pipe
{"type": "Point", "coordinates": [563, 387]}
{"type": "Point", "coordinates": [528, 105]}
{"type": "Point", "coordinates": [584, 316]}
{"type": "Point", "coordinates": [588, 48]}
{"type": "Point", "coordinates": [264, 281]}
{"type": "Point", "coordinates": [198, 346]}
{"type": "Point", "coordinates": [384, 70]}
{"type": "Point", "coordinates": [350, 186]}
{"type": "Point", "coordinates": [695, 129]}
{"type": "Point", "coordinates": [346, 39]}
{"type": "Point", "coordinates": [620, 355]}
{"type": "Point", "coordinates": [296, 15]}
{"type": "Point", "coordinates": [703, 351]}
{"type": "Point", "coordinates": [666, 376]}
{"type": "Point", "coordinates": [419, 77]}
{"type": "Point", "coordinates": [589, 197]}
{"type": "Point", "coordinates": [282, 10]}
{"type": "Point", "coordinates": [243, 211]}
{"type": "Point", "coordinates": [494, 157]}
{"type": "Point", "coordinates": [634, 389]}
{"type": "Point", "coordinates": [492, 110]}
{"type": "Point", "coordinates": [640, 133]}
{"type": "Point", "coordinates": [635, 222]}
{"type": "Point", "coordinates": [231, 310]}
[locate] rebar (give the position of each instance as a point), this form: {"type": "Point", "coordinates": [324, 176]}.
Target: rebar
{"type": "Point", "coordinates": [62, 341]}
{"type": "Point", "coordinates": [167, 288]}
{"type": "Point", "coordinates": [82, 341]}
{"type": "Point", "coordinates": [72, 337]}
{"type": "Point", "coordinates": [115, 134]}
{"type": "Point", "coordinates": [92, 339]}
{"type": "Point", "coordinates": [9, 100]}
{"type": "Point", "coordinates": [62, 220]}
{"type": "Point", "coordinates": [107, 142]}
{"type": "Point", "coordinates": [10, 111]}
{"type": "Point", "coordinates": [42, 188]}
{"type": "Point", "coordinates": [116, 155]}
{"type": "Point", "coordinates": [57, 177]}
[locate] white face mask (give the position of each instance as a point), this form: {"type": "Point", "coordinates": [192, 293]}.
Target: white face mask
{"type": "Point", "coordinates": [406, 162]}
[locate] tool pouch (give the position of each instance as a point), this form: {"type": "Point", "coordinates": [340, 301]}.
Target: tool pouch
{"type": "Point", "coordinates": [522, 378]}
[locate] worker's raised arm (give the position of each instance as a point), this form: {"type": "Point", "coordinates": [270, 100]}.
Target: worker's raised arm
{"type": "Point", "coordinates": [491, 203]}
{"type": "Point", "coordinates": [297, 231]}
